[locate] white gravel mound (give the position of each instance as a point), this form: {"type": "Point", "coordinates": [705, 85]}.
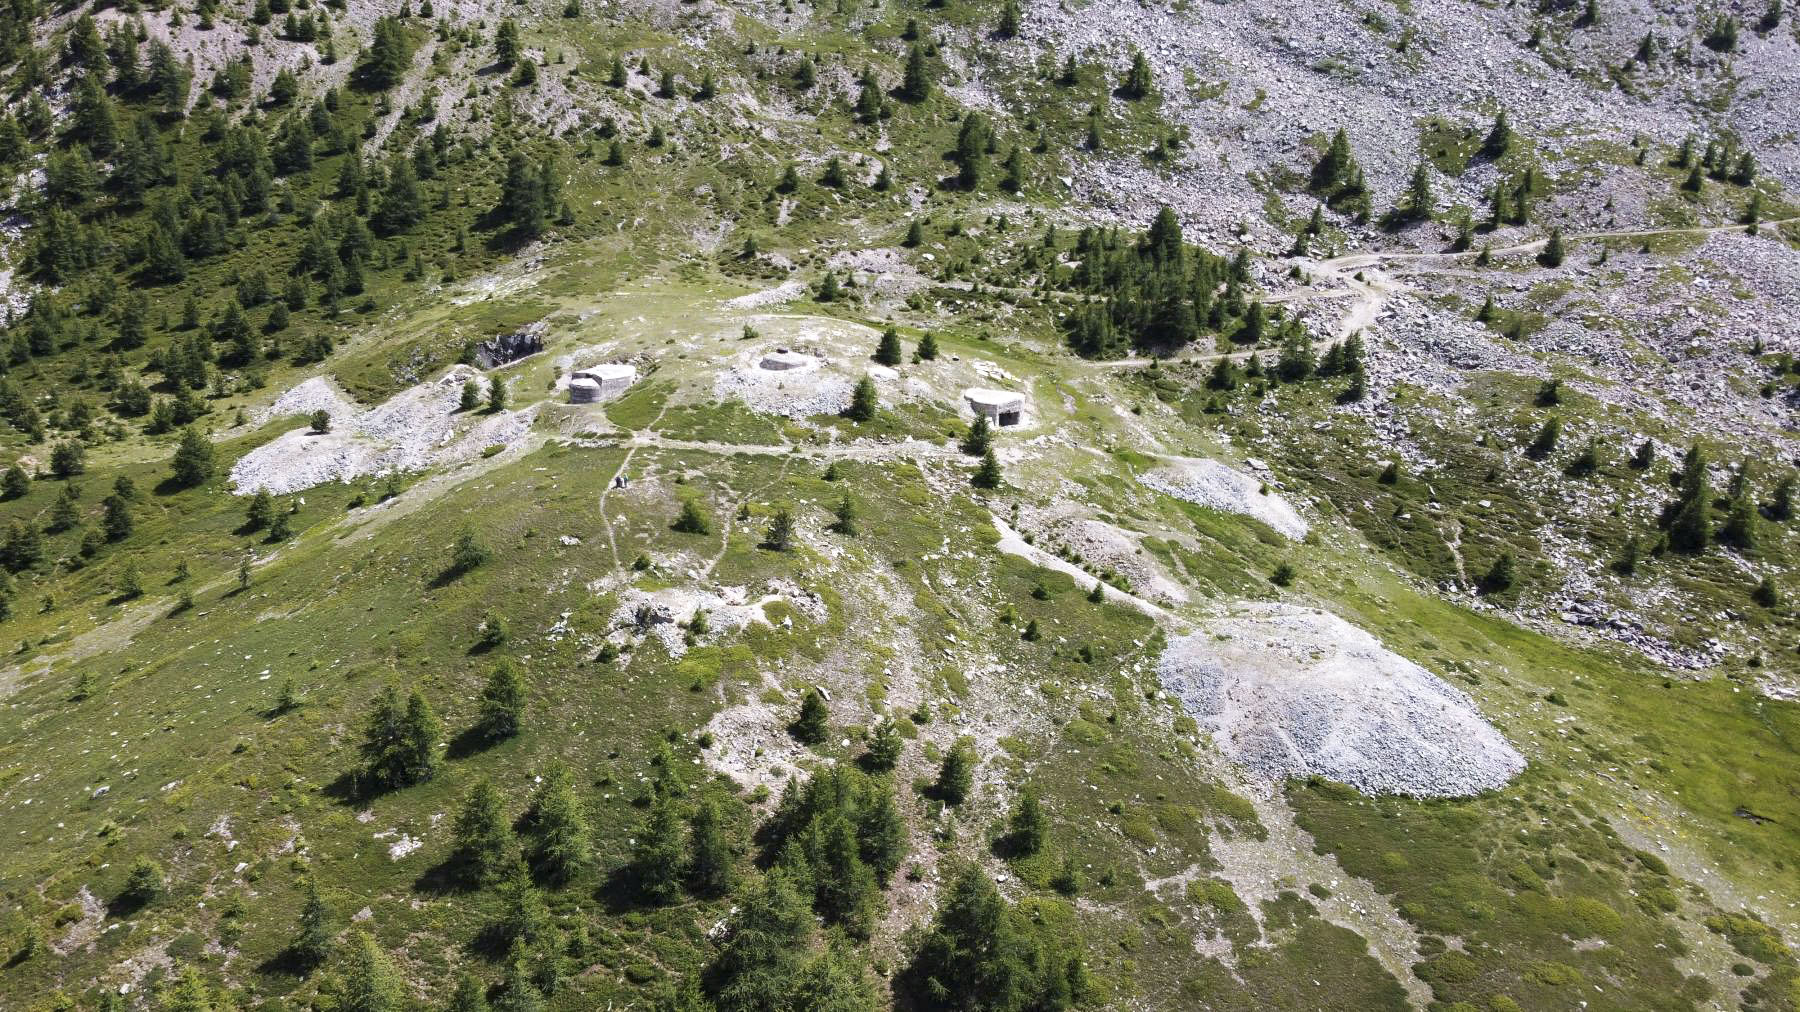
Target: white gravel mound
{"type": "Point", "coordinates": [418, 428]}
{"type": "Point", "coordinates": [1293, 692]}
{"type": "Point", "coordinates": [1210, 483]}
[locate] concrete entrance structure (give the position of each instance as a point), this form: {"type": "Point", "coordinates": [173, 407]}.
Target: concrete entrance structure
{"type": "Point", "coordinates": [1002, 407]}
{"type": "Point", "coordinates": [781, 360]}
{"type": "Point", "coordinates": [599, 382]}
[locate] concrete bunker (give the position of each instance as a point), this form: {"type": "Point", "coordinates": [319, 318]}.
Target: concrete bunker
{"type": "Point", "coordinates": [784, 359]}
{"type": "Point", "coordinates": [596, 383]}
{"type": "Point", "coordinates": [1002, 407]}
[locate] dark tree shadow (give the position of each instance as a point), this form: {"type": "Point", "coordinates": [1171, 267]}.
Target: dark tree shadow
{"type": "Point", "coordinates": [471, 741]}
{"type": "Point", "coordinates": [288, 963]}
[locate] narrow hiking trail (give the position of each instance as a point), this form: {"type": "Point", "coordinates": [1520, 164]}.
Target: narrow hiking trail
{"type": "Point", "coordinates": [1362, 279]}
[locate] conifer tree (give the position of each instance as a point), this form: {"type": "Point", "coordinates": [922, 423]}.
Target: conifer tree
{"type": "Point", "coordinates": [1139, 81]}
{"type": "Point", "coordinates": [915, 82]}
{"type": "Point", "coordinates": [1500, 576]}
{"type": "Point", "coordinates": [692, 519]}
{"type": "Point", "coordinates": [863, 401]}
{"type": "Point", "coordinates": [846, 516]}
{"type": "Point", "coordinates": [400, 740]}
{"type": "Point", "coordinates": [1545, 441]}
{"type": "Point", "coordinates": [780, 535]}
{"type": "Point", "coordinates": [1554, 252]}
{"type": "Point", "coordinates": [1499, 138]}
{"type": "Point", "coordinates": [484, 848]}
{"type": "Point", "coordinates": [470, 995]}
{"type": "Point", "coordinates": [957, 773]}
{"type": "Point", "coordinates": [888, 351]}
{"type": "Point", "coordinates": [1781, 506]}
{"type": "Point", "coordinates": [562, 844]}
{"type": "Point", "coordinates": [1029, 826]}
{"type": "Point", "coordinates": [314, 940]}
{"type": "Point", "coordinates": [369, 981]}
{"type": "Point", "coordinates": [711, 870]}
{"type": "Point", "coordinates": [506, 43]}
{"type": "Point", "coordinates": [988, 474]}
{"type": "Point", "coordinates": [883, 750]}
{"type": "Point", "coordinates": [656, 862]}
{"type": "Point", "coordinates": [1010, 16]}
{"type": "Point", "coordinates": [810, 726]}
{"type": "Point", "coordinates": [846, 892]}
{"type": "Point", "coordinates": [193, 462]}
{"type": "Point", "coordinates": [502, 705]}
{"type": "Point", "coordinates": [521, 916]}
{"type": "Point", "coordinates": [928, 347]}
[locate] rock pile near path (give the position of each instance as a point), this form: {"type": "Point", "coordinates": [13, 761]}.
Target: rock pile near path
{"type": "Point", "coordinates": [1210, 483]}
{"type": "Point", "coordinates": [1293, 692]}
{"type": "Point", "coordinates": [418, 428]}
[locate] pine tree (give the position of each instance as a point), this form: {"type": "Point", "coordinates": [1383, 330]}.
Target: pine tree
{"type": "Point", "coordinates": [884, 746]}
{"type": "Point", "coordinates": [1545, 441]}
{"type": "Point", "coordinates": [369, 980]}
{"type": "Point", "coordinates": [400, 741]}
{"type": "Point", "coordinates": [928, 347]}
{"type": "Point", "coordinates": [979, 438]}
{"type": "Point", "coordinates": [693, 519]}
{"type": "Point", "coordinates": [957, 773]}
{"type": "Point", "coordinates": [846, 516]}
{"type": "Point", "coordinates": [1553, 253]}
{"type": "Point", "coordinates": [810, 726]}
{"type": "Point", "coordinates": [1781, 507]}
{"type": "Point", "coordinates": [116, 519]}
{"type": "Point", "coordinates": [471, 396]}
{"type": "Point", "coordinates": [1766, 593]}
{"type": "Point", "coordinates": [1418, 203]}
{"type": "Point", "coordinates": [765, 945]}
{"type": "Point", "coordinates": [863, 401]}
{"type": "Point", "coordinates": [562, 844]}
{"type": "Point", "coordinates": [502, 705]}
{"type": "Point", "coordinates": [143, 883]}
{"type": "Point", "coordinates": [470, 995]}
{"type": "Point", "coordinates": [506, 43]}
{"type": "Point", "coordinates": [484, 849]}
{"type": "Point", "coordinates": [829, 290]}
{"type": "Point", "coordinates": [846, 892]}
{"type": "Point", "coordinates": [1499, 138]}
{"type": "Point", "coordinates": [915, 82]}
{"type": "Point", "coordinates": [1029, 826]}
{"type": "Point", "coordinates": [1010, 16]}
{"type": "Point", "coordinates": [314, 939]}
{"type": "Point", "coordinates": [496, 402]}
{"type": "Point", "coordinates": [384, 63]}
{"type": "Point", "coordinates": [1139, 81]}
{"type": "Point", "coordinates": [987, 475]}
{"type": "Point", "coordinates": [888, 351]}
{"type": "Point", "coordinates": [193, 462]}
{"type": "Point", "coordinates": [1690, 526]}
{"type": "Point", "coordinates": [1739, 528]}
{"type": "Point", "coordinates": [1500, 576]}
{"type": "Point", "coordinates": [656, 862]}
{"type": "Point", "coordinates": [468, 553]}
{"type": "Point", "coordinates": [521, 916]}
{"type": "Point", "coordinates": [260, 511]}
{"type": "Point", "coordinates": [711, 870]}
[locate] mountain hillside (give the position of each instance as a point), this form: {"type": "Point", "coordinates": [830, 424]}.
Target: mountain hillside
{"type": "Point", "coordinates": [728, 506]}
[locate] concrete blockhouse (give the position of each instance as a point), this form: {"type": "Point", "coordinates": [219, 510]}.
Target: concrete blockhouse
{"type": "Point", "coordinates": [782, 359]}
{"type": "Point", "coordinates": [597, 383]}
{"type": "Point", "coordinates": [1002, 407]}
